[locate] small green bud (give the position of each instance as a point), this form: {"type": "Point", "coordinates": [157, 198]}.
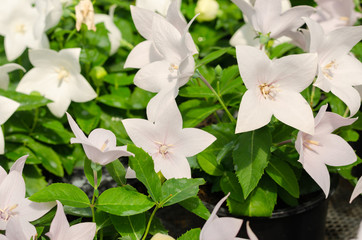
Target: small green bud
{"type": "Point", "coordinates": [97, 74]}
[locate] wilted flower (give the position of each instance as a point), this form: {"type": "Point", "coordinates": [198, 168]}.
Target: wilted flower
{"type": "Point", "coordinates": [208, 10]}
{"type": "Point", "coordinates": [333, 14]}
{"type": "Point", "coordinates": [159, 236]}
{"type": "Point", "coordinates": [165, 58]}
{"type": "Point", "coordinates": [84, 13]}
{"type": "Point", "coordinates": [60, 229]}
{"type": "Point", "coordinates": [100, 146]}
{"type": "Point", "coordinates": [267, 18]}
{"type": "Point", "coordinates": [18, 229]}
{"type": "Point", "coordinates": [338, 71]}
{"type": "Point", "coordinates": [4, 70]}
{"type": "Point", "coordinates": [114, 34]}
{"type": "Point", "coordinates": [356, 191]}
{"type": "Point", "coordinates": [273, 89]}
{"type": "Point", "coordinates": [225, 228]}
{"type": "Point", "coordinates": [12, 197]}
{"type": "Point", "coordinates": [7, 108]}
{"type": "Point", "coordinates": [324, 148]}
{"type": "Point", "coordinates": [56, 75]}
{"type": "Point", "coordinates": [163, 137]}
{"type": "Point", "coordinates": [159, 6]}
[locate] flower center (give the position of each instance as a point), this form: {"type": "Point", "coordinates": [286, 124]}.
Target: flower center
{"type": "Point", "coordinates": [346, 19]}
{"type": "Point", "coordinates": [310, 143]}
{"type": "Point", "coordinates": [163, 148]}
{"type": "Point", "coordinates": [63, 75]}
{"type": "Point", "coordinates": [269, 90]}
{"type": "Point", "coordinates": [104, 146]}
{"type": "Point", "coordinates": [328, 69]}
{"type": "Point", "coordinates": [7, 212]}
{"type": "Point", "coordinates": [20, 28]}
{"type": "Point", "coordinates": [173, 67]}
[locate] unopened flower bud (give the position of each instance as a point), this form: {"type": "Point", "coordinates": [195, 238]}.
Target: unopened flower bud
{"type": "Point", "coordinates": [208, 10]}
{"type": "Point", "coordinates": [97, 74]}
{"type": "Point", "coordinates": [160, 236]}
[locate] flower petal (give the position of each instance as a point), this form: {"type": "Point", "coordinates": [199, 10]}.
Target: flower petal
{"type": "Point", "coordinates": [266, 13]}
{"type": "Point", "coordinates": [59, 226]}
{"type": "Point", "coordinates": [292, 109]}
{"type": "Point", "coordinates": [31, 211]}
{"type": "Point", "coordinates": [253, 113]}
{"type": "Point", "coordinates": [19, 164]}
{"type": "Point", "coordinates": [349, 95]}
{"type": "Point", "coordinates": [175, 17]}
{"type": "Point", "coordinates": [14, 47]}
{"type": "Point", "coordinates": [80, 90]}
{"type": "Point", "coordinates": [8, 107]}
{"type": "Point", "coordinates": [316, 37]}
{"type": "Point", "coordinates": [142, 19]}
{"type": "Point", "coordinates": [330, 122]}
{"type": "Point", "coordinates": [76, 129]}
{"type": "Point", "coordinates": [246, 35]}
{"type": "Point", "coordinates": [19, 229]}
{"type": "Point", "coordinates": [2, 142]}
{"type": "Point", "coordinates": [248, 12]}
{"type": "Point", "coordinates": [141, 55]}
{"type": "Point", "coordinates": [357, 190]}
{"type": "Point", "coordinates": [84, 231]}
{"type": "Point", "coordinates": [174, 166]}
{"type": "Point", "coordinates": [4, 70]}
{"type": "Point", "coordinates": [192, 141]}
{"type": "Point", "coordinates": [12, 190]}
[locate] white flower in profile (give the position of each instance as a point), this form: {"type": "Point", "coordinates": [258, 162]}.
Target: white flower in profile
{"type": "Point", "coordinates": [324, 148]}
{"type": "Point", "coordinates": [165, 58]}
{"type": "Point", "coordinates": [18, 229]}
{"type": "Point", "coordinates": [17, 26]}
{"type": "Point", "coordinates": [114, 34]}
{"type": "Point", "coordinates": [60, 229]}
{"type": "Point", "coordinates": [159, 6]}
{"type": "Point", "coordinates": [274, 88]}
{"type": "Point", "coordinates": [357, 190]}
{"type": "Point", "coordinates": [333, 14]}
{"type": "Point", "coordinates": [246, 35]}
{"type": "Point", "coordinates": [224, 228]}
{"type": "Point", "coordinates": [338, 71]}
{"type": "Point", "coordinates": [100, 146]}
{"type": "Point", "coordinates": [12, 197]}
{"type": "Point", "coordinates": [266, 16]}
{"type": "Point", "coordinates": [7, 108]}
{"type": "Point", "coordinates": [4, 70]}
{"type": "Point", "coordinates": [56, 75]}
{"type": "Point", "coordinates": [163, 137]}
{"type": "Point", "coordinates": [84, 13]}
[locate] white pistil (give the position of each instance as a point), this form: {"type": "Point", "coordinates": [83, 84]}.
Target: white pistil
{"type": "Point", "coordinates": [269, 90]}
{"type": "Point", "coordinates": [173, 67]}
{"type": "Point", "coordinates": [20, 28]}
{"type": "Point", "coordinates": [163, 148]}
{"type": "Point", "coordinates": [104, 146]}
{"type": "Point", "coordinates": [327, 69]}
{"type": "Point", "coordinates": [346, 19]}
{"type": "Point", "coordinates": [63, 75]}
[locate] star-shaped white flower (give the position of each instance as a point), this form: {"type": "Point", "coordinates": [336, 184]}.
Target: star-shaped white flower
{"type": "Point", "coordinates": [4, 70]}
{"type": "Point", "coordinates": [60, 229]}
{"type": "Point", "coordinates": [273, 89]}
{"type": "Point", "coordinates": [7, 108]}
{"type": "Point", "coordinates": [165, 58]}
{"type": "Point", "coordinates": [246, 35]}
{"type": "Point", "coordinates": [333, 14]}
{"type": "Point", "coordinates": [114, 34]}
{"type": "Point", "coordinates": [324, 148]}
{"type": "Point", "coordinates": [224, 228]}
{"type": "Point", "coordinates": [266, 16]}
{"type": "Point", "coordinates": [163, 137]}
{"type": "Point", "coordinates": [100, 146]}
{"type": "Point", "coordinates": [17, 26]}
{"type": "Point", "coordinates": [56, 75]}
{"type": "Point", "coordinates": [12, 197]}
{"type": "Point", "coordinates": [338, 71]}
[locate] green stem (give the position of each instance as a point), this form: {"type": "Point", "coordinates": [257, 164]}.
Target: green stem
{"type": "Point", "coordinates": [284, 142]}
{"type": "Point", "coordinates": [346, 112]}
{"type": "Point", "coordinates": [217, 96]}
{"type": "Point", "coordinates": [36, 117]}
{"type": "Point", "coordinates": [94, 194]}
{"type": "Point", "coordinates": [312, 96]}
{"type": "Point", "coordinates": [150, 221]}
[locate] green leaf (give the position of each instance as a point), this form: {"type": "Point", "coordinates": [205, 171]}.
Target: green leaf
{"type": "Point", "coordinates": [251, 156]}
{"type": "Point", "coordinates": [349, 135]}
{"type": "Point", "coordinates": [195, 111]}
{"type": "Point", "coordinates": [68, 194]}
{"type": "Point", "coordinates": [229, 184]}
{"type": "Point", "coordinates": [27, 102]}
{"type": "Point", "coordinates": [196, 92]}
{"type": "Point", "coordinates": [142, 164]}
{"type": "Point", "coordinates": [132, 226]}
{"type": "Point", "coordinates": [21, 151]}
{"type": "Point", "coordinates": [228, 83]}
{"type": "Point", "coordinates": [193, 234]}
{"type": "Point", "coordinates": [140, 98]}
{"type": "Point", "coordinates": [177, 190]}
{"type": "Point", "coordinates": [87, 115]}
{"type": "Point", "coordinates": [49, 158]}
{"type": "Point", "coordinates": [195, 205]}
{"type": "Point", "coordinates": [212, 56]}
{"type": "Point", "coordinates": [260, 203]}
{"type": "Point", "coordinates": [283, 175]}
{"type": "Point", "coordinates": [34, 179]}
{"type": "Point", "coordinates": [123, 201]}
{"type": "Point", "coordinates": [280, 50]}
{"type": "Point", "coordinates": [51, 131]}
{"type": "Point", "coordinates": [119, 79]}
{"type": "Point", "coordinates": [209, 164]}
{"type": "Point", "coordinates": [102, 220]}
{"type": "Point", "coordinates": [79, 212]}
{"type": "Point", "coordinates": [88, 172]}
{"type": "Point", "coordinates": [117, 171]}
{"type": "Point", "coordinates": [117, 101]}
